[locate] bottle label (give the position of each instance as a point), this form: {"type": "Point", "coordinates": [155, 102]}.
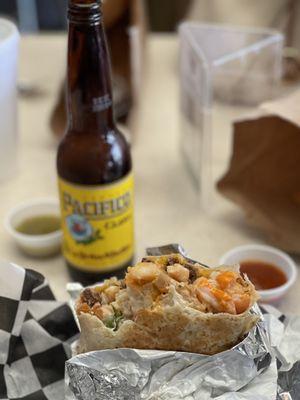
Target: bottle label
{"type": "Point", "coordinates": [97, 224]}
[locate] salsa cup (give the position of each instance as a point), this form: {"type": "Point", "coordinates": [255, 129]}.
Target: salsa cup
{"type": "Point", "coordinates": [270, 255]}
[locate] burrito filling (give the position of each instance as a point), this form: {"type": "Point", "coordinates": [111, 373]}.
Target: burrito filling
{"type": "Point", "coordinates": [161, 281]}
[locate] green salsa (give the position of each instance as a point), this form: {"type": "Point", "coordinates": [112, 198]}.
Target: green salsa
{"type": "Point", "coordinates": [39, 225]}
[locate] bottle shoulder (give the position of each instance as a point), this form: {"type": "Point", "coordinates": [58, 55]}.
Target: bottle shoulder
{"type": "Point", "coordinates": [87, 139]}
{"type": "Point", "coordinates": [93, 158]}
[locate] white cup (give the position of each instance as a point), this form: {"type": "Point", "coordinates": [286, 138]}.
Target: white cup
{"type": "Point", "coordinates": [34, 245]}
{"type": "Point", "coordinates": [270, 255]}
{"type": "Point", "coordinates": [9, 53]}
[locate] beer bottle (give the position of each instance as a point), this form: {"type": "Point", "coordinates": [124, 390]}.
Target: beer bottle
{"type": "Point", "coordinates": [93, 161]}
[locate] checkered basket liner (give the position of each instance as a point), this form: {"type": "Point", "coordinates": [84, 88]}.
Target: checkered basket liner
{"type": "Point", "coordinates": [35, 336]}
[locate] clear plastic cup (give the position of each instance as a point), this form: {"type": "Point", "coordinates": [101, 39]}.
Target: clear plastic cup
{"type": "Point", "coordinates": [224, 73]}
{"type": "Point", "coordinates": [9, 49]}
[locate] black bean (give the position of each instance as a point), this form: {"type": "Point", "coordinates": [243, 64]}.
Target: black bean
{"type": "Point", "coordinates": [90, 297]}
{"type": "Point", "coordinates": [193, 273]}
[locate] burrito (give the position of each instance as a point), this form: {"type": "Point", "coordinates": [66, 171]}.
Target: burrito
{"type": "Point", "coordinates": [168, 303]}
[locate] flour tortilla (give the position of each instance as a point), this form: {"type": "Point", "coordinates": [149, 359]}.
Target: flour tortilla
{"type": "Point", "coordinates": [172, 324]}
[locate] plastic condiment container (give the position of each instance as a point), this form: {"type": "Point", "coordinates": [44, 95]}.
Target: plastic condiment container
{"type": "Point", "coordinates": [265, 254]}
{"type": "Point", "coordinates": [34, 245]}
{"type": "Point", "coordinates": [225, 73]}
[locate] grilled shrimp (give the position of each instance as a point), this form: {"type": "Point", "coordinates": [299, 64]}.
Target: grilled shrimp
{"type": "Point", "coordinates": [142, 273]}
{"type": "Point", "coordinates": [178, 272]}
{"type": "Point", "coordinates": [233, 285]}
{"type": "Point", "coordinates": [224, 293]}
{"type": "Point", "coordinates": [219, 300]}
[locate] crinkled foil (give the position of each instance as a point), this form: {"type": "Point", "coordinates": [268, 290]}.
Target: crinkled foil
{"type": "Point", "coordinates": [265, 366]}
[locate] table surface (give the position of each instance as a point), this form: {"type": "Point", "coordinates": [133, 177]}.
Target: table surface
{"type": "Point", "coordinates": [167, 207]}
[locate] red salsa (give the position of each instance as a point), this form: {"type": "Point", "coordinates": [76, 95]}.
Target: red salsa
{"type": "Point", "coordinates": [263, 275]}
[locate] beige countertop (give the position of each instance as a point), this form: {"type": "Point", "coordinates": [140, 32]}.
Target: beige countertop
{"type": "Point", "coordinates": [167, 208]}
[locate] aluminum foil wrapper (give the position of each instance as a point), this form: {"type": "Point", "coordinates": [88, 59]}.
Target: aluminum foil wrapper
{"type": "Point", "coordinates": [265, 366]}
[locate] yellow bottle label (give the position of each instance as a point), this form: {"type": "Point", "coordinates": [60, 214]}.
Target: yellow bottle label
{"type": "Point", "coordinates": [97, 224]}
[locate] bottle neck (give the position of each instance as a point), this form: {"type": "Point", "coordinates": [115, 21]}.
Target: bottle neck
{"type": "Point", "coordinates": [89, 91]}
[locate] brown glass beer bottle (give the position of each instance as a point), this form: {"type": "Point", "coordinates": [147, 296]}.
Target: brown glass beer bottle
{"type": "Point", "coordinates": [93, 160]}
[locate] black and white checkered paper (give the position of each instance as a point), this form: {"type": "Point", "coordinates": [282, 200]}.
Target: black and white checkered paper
{"type": "Point", "coordinates": [36, 332]}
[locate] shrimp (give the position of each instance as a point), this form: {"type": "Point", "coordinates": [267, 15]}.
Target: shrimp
{"type": "Point", "coordinates": [229, 281]}
{"type": "Point", "coordinates": [225, 279]}
{"type": "Point", "coordinates": [208, 292]}
{"type": "Point", "coordinates": [241, 302]}
{"type": "Point", "coordinates": [224, 294]}
{"type": "Point", "coordinates": [178, 272]}
{"type": "Point", "coordinates": [205, 294]}
{"type": "Point", "coordinates": [142, 273]}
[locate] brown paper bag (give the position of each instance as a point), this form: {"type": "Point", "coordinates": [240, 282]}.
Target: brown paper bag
{"type": "Point", "coordinates": [264, 173]}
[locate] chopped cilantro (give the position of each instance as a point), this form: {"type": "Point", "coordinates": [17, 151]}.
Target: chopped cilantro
{"type": "Point", "coordinates": [114, 321]}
